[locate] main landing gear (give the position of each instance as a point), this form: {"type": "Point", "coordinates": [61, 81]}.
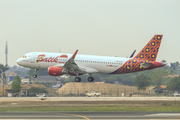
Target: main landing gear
{"type": "Point", "coordinates": [78, 79]}
{"type": "Point", "coordinates": [90, 79]}
{"type": "Point", "coordinates": [35, 75]}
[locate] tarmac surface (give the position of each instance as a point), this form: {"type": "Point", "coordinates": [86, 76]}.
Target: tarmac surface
{"type": "Point", "coordinates": [60, 101]}
{"type": "Point", "coordinates": [90, 98]}
{"type": "Point", "coordinates": [89, 115]}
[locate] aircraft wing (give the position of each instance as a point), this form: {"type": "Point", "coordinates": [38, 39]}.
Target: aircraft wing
{"type": "Point", "coordinates": [70, 63]}
{"type": "Point", "coordinates": [71, 67]}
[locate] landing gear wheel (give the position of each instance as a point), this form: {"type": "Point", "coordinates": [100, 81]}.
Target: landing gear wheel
{"type": "Point", "coordinates": [90, 79]}
{"type": "Point", "coordinates": [35, 76]}
{"type": "Point", "coordinates": [78, 79]}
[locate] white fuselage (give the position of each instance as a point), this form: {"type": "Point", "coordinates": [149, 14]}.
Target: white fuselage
{"type": "Point", "coordinates": [102, 64]}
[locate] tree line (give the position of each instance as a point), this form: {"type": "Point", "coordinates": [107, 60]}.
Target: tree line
{"type": "Point", "coordinates": [143, 79]}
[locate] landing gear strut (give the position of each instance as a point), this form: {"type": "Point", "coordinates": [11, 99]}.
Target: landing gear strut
{"type": "Point", "coordinates": [35, 75]}
{"type": "Point", "coordinates": [78, 79]}
{"type": "Point", "coordinates": [90, 79]}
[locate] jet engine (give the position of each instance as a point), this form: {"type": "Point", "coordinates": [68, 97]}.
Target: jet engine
{"type": "Point", "coordinates": [55, 71]}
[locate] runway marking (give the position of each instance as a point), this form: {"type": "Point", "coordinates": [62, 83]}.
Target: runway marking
{"type": "Point", "coordinates": [164, 114]}
{"type": "Point", "coordinates": [76, 115]}
{"type": "Point", "coordinates": [80, 116]}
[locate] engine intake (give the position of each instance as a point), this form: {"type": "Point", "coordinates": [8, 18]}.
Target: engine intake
{"type": "Point", "coordinates": [55, 71]}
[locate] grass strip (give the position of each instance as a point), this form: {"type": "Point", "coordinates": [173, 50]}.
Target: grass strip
{"type": "Point", "coordinates": [93, 108]}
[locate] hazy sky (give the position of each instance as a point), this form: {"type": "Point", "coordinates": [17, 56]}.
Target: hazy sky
{"type": "Point", "coordinates": [95, 27]}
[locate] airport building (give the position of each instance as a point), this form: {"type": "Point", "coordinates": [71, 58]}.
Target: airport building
{"type": "Point", "coordinates": [9, 77]}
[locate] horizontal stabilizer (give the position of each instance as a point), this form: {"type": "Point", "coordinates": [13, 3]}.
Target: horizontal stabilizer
{"type": "Point", "coordinates": [165, 63]}
{"type": "Point", "coordinates": [145, 65]}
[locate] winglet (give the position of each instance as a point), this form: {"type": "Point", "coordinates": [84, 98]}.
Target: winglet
{"type": "Point", "coordinates": [132, 54]}
{"type": "Point", "coordinates": [74, 55]}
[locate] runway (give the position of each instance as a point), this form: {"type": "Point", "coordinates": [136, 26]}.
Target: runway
{"type": "Point", "coordinates": [88, 115]}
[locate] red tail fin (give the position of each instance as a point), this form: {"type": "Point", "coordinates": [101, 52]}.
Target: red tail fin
{"type": "Point", "coordinates": [150, 51]}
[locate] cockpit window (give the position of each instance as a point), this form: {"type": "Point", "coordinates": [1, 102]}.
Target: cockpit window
{"type": "Point", "coordinates": [24, 56]}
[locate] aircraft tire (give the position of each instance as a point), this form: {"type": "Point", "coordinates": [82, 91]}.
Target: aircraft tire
{"type": "Point", "coordinates": [78, 79]}
{"type": "Point", "coordinates": [90, 79]}
{"type": "Point", "coordinates": [35, 76]}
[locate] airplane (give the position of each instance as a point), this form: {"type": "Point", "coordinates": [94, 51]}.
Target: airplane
{"type": "Point", "coordinates": [77, 64]}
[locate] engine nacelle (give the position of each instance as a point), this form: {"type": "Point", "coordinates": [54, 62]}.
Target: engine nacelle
{"type": "Point", "coordinates": [55, 71]}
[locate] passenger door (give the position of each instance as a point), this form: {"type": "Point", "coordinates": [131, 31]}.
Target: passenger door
{"type": "Point", "coordinates": [33, 58]}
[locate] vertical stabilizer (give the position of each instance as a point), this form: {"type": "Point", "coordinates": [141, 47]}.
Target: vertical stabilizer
{"type": "Point", "coordinates": [150, 51]}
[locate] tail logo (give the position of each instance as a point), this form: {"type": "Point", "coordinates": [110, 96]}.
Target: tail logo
{"type": "Point", "coordinates": [153, 55]}
{"type": "Point", "coordinates": [158, 37]}
{"type": "Point", "coordinates": [147, 49]}
{"type": "Point", "coordinates": [153, 43]}
{"type": "Point", "coordinates": [142, 56]}
{"type": "Point", "coordinates": [147, 55]}
{"type": "Point", "coordinates": [150, 51]}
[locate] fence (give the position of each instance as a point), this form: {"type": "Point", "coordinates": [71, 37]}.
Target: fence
{"type": "Point", "coordinates": [105, 92]}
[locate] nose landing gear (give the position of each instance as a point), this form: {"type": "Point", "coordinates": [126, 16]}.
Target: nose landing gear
{"type": "Point", "coordinates": [35, 75]}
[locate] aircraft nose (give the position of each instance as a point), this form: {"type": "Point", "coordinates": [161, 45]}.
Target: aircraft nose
{"type": "Point", "coordinates": [19, 61]}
